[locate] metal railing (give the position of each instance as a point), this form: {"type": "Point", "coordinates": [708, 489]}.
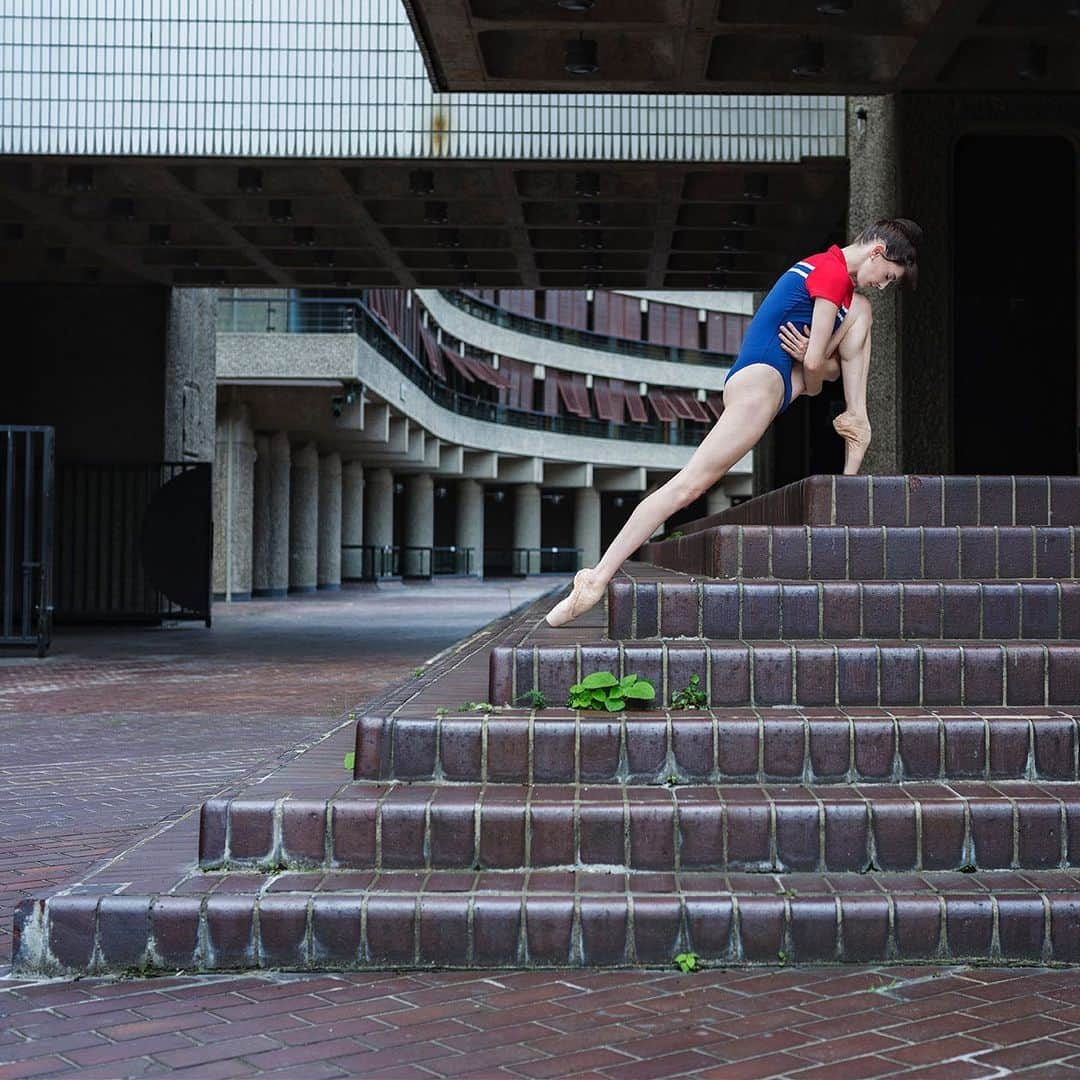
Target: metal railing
{"type": "Point", "coordinates": [133, 542]}
{"type": "Point", "coordinates": [522, 561]}
{"type": "Point", "coordinates": [583, 339]}
{"type": "Point", "coordinates": [26, 577]}
{"type": "Point", "coordinates": [318, 315]}
{"type": "Point", "coordinates": [404, 561]}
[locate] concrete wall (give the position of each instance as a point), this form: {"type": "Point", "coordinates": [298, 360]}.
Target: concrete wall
{"type": "Point", "coordinates": [190, 375]}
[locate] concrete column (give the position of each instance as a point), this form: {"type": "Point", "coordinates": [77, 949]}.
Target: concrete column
{"type": "Point", "coordinates": [329, 555]}
{"type": "Point", "coordinates": [304, 520]}
{"type": "Point", "coordinates": [873, 151]}
{"type": "Point", "coordinates": [277, 557]}
{"type": "Point", "coordinates": [379, 512]}
{"type": "Point", "coordinates": [716, 500]}
{"type": "Point", "coordinates": [470, 522]}
{"type": "Point", "coordinates": [352, 520]}
{"type": "Point", "coordinates": [587, 525]}
{"type": "Point", "coordinates": [527, 523]}
{"type": "Point", "coordinates": [419, 525]}
{"type": "Point", "coordinates": [234, 483]}
{"type": "Point", "coordinates": [260, 525]}
{"type": "Point", "coordinates": [190, 374]}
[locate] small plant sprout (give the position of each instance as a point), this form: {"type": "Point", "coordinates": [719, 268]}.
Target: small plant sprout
{"type": "Point", "coordinates": [676, 535]}
{"type": "Point", "coordinates": [672, 780]}
{"type": "Point", "coordinates": [601, 690]}
{"type": "Point", "coordinates": [692, 697]}
{"type": "Point", "coordinates": [442, 710]}
{"type": "Point", "coordinates": [687, 962]}
{"type": "Point", "coordinates": [350, 760]}
{"type": "Point", "coordinates": [419, 672]}
{"type": "Point", "coordinates": [533, 699]}
{"type": "Point", "coordinates": [476, 706]}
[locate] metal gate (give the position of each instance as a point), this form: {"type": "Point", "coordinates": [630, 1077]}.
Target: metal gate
{"type": "Point", "coordinates": [133, 542]}
{"type": "Point", "coordinates": [26, 477]}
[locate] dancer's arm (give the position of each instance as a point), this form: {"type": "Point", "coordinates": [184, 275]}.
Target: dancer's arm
{"type": "Point", "coordinates": [821, 327]}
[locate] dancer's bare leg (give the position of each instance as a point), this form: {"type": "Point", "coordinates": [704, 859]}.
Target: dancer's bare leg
{"type": "Point", "coordinates": [752, 398]}
{"type": "Point", "coordinates": [853, 424]}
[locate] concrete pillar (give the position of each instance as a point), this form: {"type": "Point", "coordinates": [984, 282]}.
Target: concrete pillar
{"type": "Point", "coordinates": [260, 522]}
{"type": "Point", "coordinates": [234, 483]}
{"type": "Point", "coordinates": [379, 514]}
{"type": "Point", "coordinates": [190, 374]}
{"type": "Point", "coordinates": [470, 522]}
{"type": "Point", "coordinates": [873, 150]}
{"type": "Point", "coordinates": [277, 555]}
{"type": "Point", "coordinates": [419, 525]}
{"type": "Point", "coordinates": [587, 525]}
{"type": "Point", "coordinates": [527, 524]}
{"type": "Point", "coordinates": [716, 500]}
{"type": "Point", "coordinates": [304, 520]}
{"type": "Point", "coordinates": [352, 520]}
{"type": "Point", "coordinates": [329, 555]}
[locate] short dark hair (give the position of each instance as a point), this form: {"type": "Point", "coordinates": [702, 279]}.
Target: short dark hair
{"type": "Point", "coordinates": [901, 238]}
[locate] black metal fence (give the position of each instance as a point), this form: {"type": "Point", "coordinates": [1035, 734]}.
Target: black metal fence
{"type": "Point", "coordinates": [133, 542]}
{"type": "Point", "coordinates": [26, 487]}
{"type": "Point", "coordinates": [521, 561]}
{"type": "Point", "coordinates": [405, 562]}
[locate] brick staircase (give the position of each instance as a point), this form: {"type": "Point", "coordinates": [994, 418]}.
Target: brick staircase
{"type": "Point", "coordinates": [886, 769]}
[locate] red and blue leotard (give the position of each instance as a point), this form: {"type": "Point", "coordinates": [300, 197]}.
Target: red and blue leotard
{"type": "Point", "coordinates": [791, 299]}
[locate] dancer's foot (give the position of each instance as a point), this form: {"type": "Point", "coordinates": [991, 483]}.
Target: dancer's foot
{"type": "Point", "coordinates": [585, 593]}
{"type": "Point", "coordinates": [855, 431]}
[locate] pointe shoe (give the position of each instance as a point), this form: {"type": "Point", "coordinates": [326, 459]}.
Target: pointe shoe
{"type": "Point", "coordinates": [583, 595]}
{"type": "Point", "coordinates": [855, 431]}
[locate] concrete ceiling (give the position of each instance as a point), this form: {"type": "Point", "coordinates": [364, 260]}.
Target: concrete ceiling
{"type": "Point", "coordinates": [753, 46]}
{"type": "Point", "coordinates": [333, 224]}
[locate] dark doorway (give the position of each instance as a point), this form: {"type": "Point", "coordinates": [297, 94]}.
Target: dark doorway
{"type": "Point", "coordinates": [1014, 289]}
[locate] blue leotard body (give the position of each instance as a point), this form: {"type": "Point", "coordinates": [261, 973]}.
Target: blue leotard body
{"type": "Point", "coordinates": [791, 299]}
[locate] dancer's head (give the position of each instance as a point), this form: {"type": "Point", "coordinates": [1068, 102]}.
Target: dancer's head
{"type": "Point", "coordinates": [891, 253]}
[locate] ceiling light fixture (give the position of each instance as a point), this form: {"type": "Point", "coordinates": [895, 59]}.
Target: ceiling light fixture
{"type": "Point", "coordinates": [591, 241]}
{"type": "Point", "coordinates": [1034, 61]}
{"type": "Point", "coordinates": [249, 180]}
{"type": "Point", "coordinates": [160, 235]}
{"type": "Point", "coordinates": [579, 7]}
{"type": "Point", "coordinates": [586, 185]}
{"type": "Point", "coordinates": [810, 59]}
{"type": "Point", "coordinates": [448, 238]}
{"type": "Point", "coordinates": [421, 182]}
{"type": "Point", "coordinates": [581, 56]}
{"type": "Point", "coordinates": [281, 211]}
{"type": "Point", "coordinates": [835, 7]}
{"type": "Point", "coordinates": [743, 216]}
{"type": "Point", "coordinates": [588, 215]}
{"type": "Point", "coordinates": [436, 213]}
{"type": "Point", "coordinates": [718, 280]}
{"type": "Point", "coordinates": [122, 208]}
{"type": "Point", "coordinates": [80, 177]}
{"type": "Point", "coordinates": [304, 236]}
{"type": "Point", "coordinates": [756, 186]}
{"type": "Point", "coordinates": [732, 241]}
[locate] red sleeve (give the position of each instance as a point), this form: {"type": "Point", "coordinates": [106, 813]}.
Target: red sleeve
{"type": "Point", "coordinates": [829, 280]}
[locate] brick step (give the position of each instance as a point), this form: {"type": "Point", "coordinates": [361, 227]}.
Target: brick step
{"type": "Point", "coordinates": [809, 673]}
{"type": "Point", "coordinates": [563, 919]}
{"type": "Point", "coordinates": [909, 500]}
{"type": "Point", "coordinates": [917, 826]}
{"type": "Point", "coordinates": [871, 553]}
{"type": "Point", "coordinates": [789, 610]}
{"type": "Point", "coordinates": [727, 746]}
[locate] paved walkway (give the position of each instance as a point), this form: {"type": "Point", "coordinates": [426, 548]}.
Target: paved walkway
{"type": "Point", "coordinates": [117, 731]}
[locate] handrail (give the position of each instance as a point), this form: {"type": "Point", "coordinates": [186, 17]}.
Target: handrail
{"type": "Point", "coordinates": [348, 315]}
{"type": "Point", "coordinates": [583, 339]}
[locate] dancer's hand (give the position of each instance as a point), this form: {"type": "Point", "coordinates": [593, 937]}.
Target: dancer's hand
{"type": "Point", "coordinates": [794, 343]}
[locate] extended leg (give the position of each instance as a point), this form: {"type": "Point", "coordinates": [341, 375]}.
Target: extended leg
{"type": "Point", "coordinates": [752, 398]}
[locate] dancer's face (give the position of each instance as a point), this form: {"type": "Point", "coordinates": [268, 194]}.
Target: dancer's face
{"type": "Point", "coordinates": [876, 272]}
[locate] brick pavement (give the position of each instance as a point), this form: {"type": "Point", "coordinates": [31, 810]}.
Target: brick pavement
{"type": "Point", "coordinates": [197, 710]}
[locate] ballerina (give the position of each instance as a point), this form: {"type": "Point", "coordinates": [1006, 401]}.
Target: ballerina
{"type": "Point", "coordinates": [778, 363]}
